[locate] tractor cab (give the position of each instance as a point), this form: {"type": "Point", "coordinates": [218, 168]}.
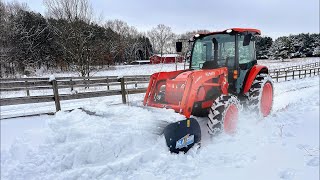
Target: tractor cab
{"type": "Point", "coordinates": [223, 72]}
{"type": "Point", "coordinates": [232, 48]}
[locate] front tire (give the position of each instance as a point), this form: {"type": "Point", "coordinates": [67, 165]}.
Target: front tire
{"type": "Point", "coordinates": [223, 115]}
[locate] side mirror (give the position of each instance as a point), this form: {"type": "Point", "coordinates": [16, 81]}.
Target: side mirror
{"type": "Point", "coordinates": [179, 47]}
{"type": "Point", "coordinates": [247, 39]}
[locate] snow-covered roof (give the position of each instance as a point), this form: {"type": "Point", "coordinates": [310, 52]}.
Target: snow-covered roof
{"type": "Point", "coordinates": [167, 55]}
{"type": "Point", "coordinates": [141, 61]}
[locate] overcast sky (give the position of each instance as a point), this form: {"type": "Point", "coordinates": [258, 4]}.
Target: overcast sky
{"type": "Point", "coordinates": [273, 17]}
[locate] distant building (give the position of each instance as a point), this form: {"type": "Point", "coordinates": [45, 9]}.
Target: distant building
{"type": "Point", "coordinates": [166, 58]}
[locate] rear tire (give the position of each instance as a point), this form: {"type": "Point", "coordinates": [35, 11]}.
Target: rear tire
{"type": "Point", "coordinates": [223, 115]}
{"type": "Point", "coordinates": [260, 95]}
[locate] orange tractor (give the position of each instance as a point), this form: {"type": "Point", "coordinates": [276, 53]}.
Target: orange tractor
{"type": "Point", "coordinates": [223, 75]}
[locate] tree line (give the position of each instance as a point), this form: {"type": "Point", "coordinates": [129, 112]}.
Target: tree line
{"type": "Point", "coordinates": [292, 46]}
{"type": "Point", "coordinates": [69, 38]}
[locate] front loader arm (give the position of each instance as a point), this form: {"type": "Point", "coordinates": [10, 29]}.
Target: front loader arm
{"type": "Point", "coordinates": [198, 79]}
{"type": "Point", "coordinates": [154, 79]}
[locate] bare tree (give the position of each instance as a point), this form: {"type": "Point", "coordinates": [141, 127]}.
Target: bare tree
{"type": "Point", "coordinates": [8, 11]}
{"type": "Point", "coordinates": [71, 10]}
{"type": "Point", "coordinates": [185, 37]}
{"type": "Point", "coordinates": [162, 39]}
{"type": "Point", "coordinates": [76, 35]}
{"type": "Point", "coordinates": [127, 41]}
{"type": "Point", "coordinates": [118, 26]}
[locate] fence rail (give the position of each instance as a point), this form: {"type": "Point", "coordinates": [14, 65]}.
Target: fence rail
{"type": "Point", "coordinates": [28, 84]}
{"type": "Point", "coordinates": [294, 74]}
{"type": "Point", "coordinates": [297, 67]}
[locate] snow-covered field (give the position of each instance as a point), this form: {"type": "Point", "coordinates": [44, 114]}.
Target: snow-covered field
{"type": "Point", "coordinates": [148, 69]}
{"type": "Point", "coordinates": [122, 143]}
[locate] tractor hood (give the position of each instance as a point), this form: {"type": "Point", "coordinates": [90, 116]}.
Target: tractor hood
{"type": "Point", "coordinates": [179, 90]}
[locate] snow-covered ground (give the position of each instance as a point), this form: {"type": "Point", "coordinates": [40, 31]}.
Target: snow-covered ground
{"type": "Point", "coordinates": [12, 111]}
{"type": "Point", "coordinates": [122, 70]}
{"type": "Point", "coordinates": [121, 142]}
{"type": "Point", "coordinates": [148, 69]}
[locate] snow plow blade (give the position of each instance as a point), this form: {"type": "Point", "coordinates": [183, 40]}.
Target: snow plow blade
{"type": "Point", "coordinates": [182, 135]}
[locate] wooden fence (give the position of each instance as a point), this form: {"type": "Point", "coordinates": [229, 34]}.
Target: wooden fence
{"type": "Point", "coordinates": [297, 67]}
{"type": "Point", "coordinates": [121, 83]}
{"type": "Point", "coordinates": [28, 84]}
{"type": "Point", "coordinates": [294, 72]}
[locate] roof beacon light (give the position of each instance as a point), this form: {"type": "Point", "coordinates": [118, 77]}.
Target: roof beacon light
{"type": "Point", "coordinates": [229, 30]}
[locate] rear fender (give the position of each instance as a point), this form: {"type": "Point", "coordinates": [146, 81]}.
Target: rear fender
{"type": "Point", "coordinates": [255, 70]}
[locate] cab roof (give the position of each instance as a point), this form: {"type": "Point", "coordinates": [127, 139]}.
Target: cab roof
{"type": "Point", "coordinates": [237, 30]}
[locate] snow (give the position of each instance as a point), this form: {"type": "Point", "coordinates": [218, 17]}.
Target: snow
{"type": "Point", "coordinates": [122, 142]}
{"type": "Point", "coordinates": [168, 55]}
{"type": "Point", "coordinates": [52, 78]}
{"type": "Point", "coordinates": [123, 70]}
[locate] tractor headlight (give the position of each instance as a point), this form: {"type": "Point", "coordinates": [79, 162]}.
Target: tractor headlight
{"type": "Point", "coordinates": [229, 31]}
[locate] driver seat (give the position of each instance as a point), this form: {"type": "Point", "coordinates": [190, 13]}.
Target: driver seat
{"type": "Point", "coordinates": [210, 65]}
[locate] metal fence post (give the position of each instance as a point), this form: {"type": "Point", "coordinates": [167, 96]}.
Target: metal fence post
{"type": "Point", "coordinates": [56, 95]}
{"type": "Point", "coordinates": [277, 76]}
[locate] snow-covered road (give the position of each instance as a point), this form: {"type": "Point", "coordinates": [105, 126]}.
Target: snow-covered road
{"type": "Point", "coordinates": [121, 143]}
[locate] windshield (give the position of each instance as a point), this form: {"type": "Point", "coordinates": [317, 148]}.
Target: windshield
{"type": "Point", "coordinates": [213, 51]}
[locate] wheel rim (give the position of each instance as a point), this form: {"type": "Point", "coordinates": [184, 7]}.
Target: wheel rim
{"type": "Point", "coordinates": [230, 119]}
{"type": "Point", "coordinates": [266, 99]}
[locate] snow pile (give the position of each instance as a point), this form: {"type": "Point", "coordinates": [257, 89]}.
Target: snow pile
{"type": "Point", "coordinates": [112, 143]}
{"type": "Point", "coordinates": [121, 142]}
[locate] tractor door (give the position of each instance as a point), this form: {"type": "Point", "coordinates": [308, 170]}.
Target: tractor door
{"type": "Point", "coordinates": [247, 58]}
{"type": "Point", "coordinates": [226, 57]}
{"type": "Point", "coordinates": [214, 51]}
